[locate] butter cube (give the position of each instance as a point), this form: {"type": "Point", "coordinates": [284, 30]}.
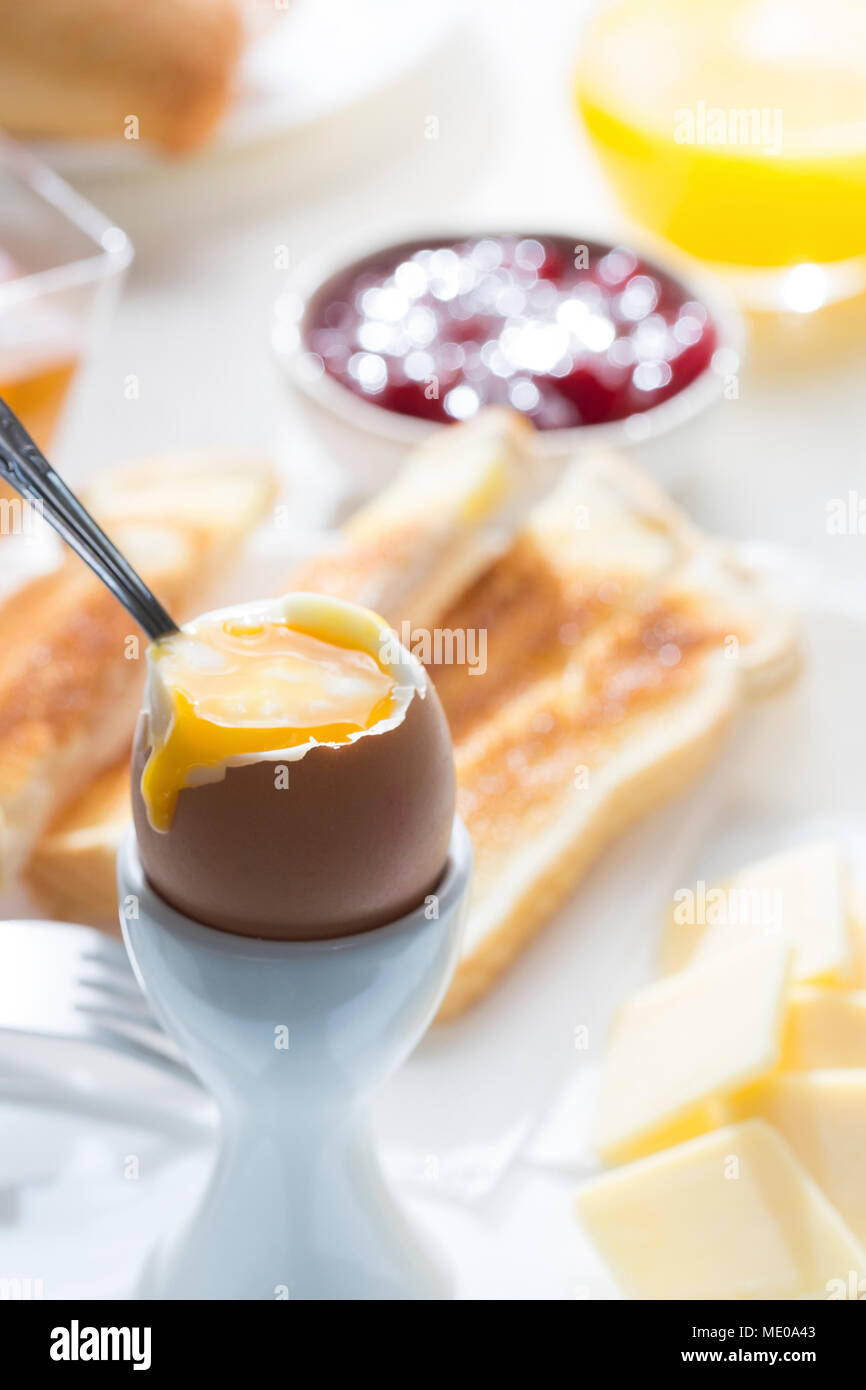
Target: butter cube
{"type": "Point", "coordinates": [858, 938]}
{"type": "Point", "coordinates": [687, 1040]}
{"type": "Point", "coordinates": [731, 1215]}
{"type": "Point", "coordinates": [822, 1115]}
{"type": "Point", "coordinates": [824, 1027]}
{"type": "Point", "coordinates": [801, 894]}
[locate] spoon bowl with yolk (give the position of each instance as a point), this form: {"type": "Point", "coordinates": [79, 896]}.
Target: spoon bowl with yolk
{"type": "Point", "coordinates": [292, 773]}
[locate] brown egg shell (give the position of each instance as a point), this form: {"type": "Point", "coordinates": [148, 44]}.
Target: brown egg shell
{"type": "Point", "coordinates": [358, 838]}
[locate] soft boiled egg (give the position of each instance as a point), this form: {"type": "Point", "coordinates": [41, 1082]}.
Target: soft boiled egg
{"type": "Point", "coordinates": [292, 774]}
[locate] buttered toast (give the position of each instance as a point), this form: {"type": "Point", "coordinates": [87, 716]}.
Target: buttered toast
{"type": "Point", "coordinates": [71, 677]}
{"type": "Point", "coordinates": [453, 507]}
{"type": "Point", "coordinates": [620, 643]}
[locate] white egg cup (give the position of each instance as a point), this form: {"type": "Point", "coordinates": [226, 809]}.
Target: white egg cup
{"type": "Point", "coordinates": [291, 1038]}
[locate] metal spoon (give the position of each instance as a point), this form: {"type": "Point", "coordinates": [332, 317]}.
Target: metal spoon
{"type": "Point", "coordinates": [27, 470]}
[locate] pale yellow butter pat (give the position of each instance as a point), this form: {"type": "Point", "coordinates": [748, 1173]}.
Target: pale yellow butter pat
{"type": "Point", "coordinates": [731, 1215]}
{"type": "Point", "coordinates": [801, 894]}
{"type": "Point", "coordinates": [824, 1027]}
{"type": "Point", "coordinates": [858, 938]}
{"type": "Point", "coordinates": [822, 1115]}
{"type": "Point", "coordinates": [684, 1042]}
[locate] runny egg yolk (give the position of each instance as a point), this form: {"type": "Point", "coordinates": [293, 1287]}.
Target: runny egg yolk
{"type": "Point", "coordinates": [245, 688]}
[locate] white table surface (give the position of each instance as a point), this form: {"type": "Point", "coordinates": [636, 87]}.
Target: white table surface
{"type": "Point", "coordinates": [193, 327]}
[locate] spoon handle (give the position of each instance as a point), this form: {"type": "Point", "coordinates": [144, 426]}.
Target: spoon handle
{"type": "Point", "coordinates": [27, 470]}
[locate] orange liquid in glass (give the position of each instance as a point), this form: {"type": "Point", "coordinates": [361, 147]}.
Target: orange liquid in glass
{"type": "Point", "coordinates": [37, 396]}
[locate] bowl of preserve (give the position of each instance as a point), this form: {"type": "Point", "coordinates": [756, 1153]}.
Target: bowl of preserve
{"type": "Point", "coordinates": [594, 343]}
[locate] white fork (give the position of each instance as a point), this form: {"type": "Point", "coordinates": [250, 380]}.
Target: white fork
{"type": "Point", "coordinates": [67, 991]}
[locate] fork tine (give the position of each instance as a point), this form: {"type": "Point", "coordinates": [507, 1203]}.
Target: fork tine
{"type": "Point", "coordinates": [143, 1020]}
{"type": "Point", "coordinates": [111, 955]}
{"type": "Point", "coordinates": [119, 1040]}
{"type": "Point", "coordinates": [61, 980]}
{"type": "Point", "coordinates": [118, 988]}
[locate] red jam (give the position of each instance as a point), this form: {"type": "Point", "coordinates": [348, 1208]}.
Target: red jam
{"type": "Point", "coordinates": [569, 334]}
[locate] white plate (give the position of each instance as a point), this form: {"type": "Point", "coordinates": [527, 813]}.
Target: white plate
{"type": "Point", "coordinates": [318, 59]}
{"type": "Point", "coordinates": [473, 1115]}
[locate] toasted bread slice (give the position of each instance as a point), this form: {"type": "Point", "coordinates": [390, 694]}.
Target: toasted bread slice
{"type": "Point", "coordinates": [603, 537]}
{"type": "Point", "coordinates": [620, 644]}
{"type": "Point", "coordinates": [218, 496]}
{"type": "Point", "coordinates": [455, 505]}
{"type": "Point", "coordinates": [72, 673]}
{"type": "Point", "coordinates": [71, 871]}
{"type": "Point", "coordinates": [585, 552]}
{"type": "Point", "coordinates": [571, 763]}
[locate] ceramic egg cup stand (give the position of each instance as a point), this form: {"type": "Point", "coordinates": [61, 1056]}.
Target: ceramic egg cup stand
{"type": "Point", "coordinates": [292, 1038]}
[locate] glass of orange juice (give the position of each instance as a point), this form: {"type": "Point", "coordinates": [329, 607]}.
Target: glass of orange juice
{"type": "Point", "coordinates": [61, 264]}
{"type": "Point", "coordinates": [736, 129]}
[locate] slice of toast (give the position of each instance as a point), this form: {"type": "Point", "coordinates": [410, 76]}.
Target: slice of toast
{"type": "Point", "coordinates": [71, 871]}
{"type": "Point", "coordinates": [575, 759]}
{"type": "Point", "coordinates": [416, 546]}
{"type": "Point", "coordinates": [583, 553]}
{"type": "Point", "coordinates": [72, 671]}
{"type": "Point", "coordinates": [603, 537]}
{"type": "Point", "coordinates": [621, 642]}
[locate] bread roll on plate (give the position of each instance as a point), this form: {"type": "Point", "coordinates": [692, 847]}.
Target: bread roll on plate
{"type": "Point", "coordinates": [82, 70]}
